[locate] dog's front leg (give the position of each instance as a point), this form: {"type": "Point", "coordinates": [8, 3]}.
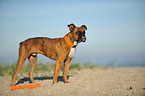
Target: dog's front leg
{"type": "Point", "coordinates": [32, 61]}
{"type": "Point", "coordinates": [57, 69]}
{"type": "Point", "coordinates": [65, 70]}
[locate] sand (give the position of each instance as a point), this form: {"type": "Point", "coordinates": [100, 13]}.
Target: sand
{"type": "Point", "coordinates": [87, 82]}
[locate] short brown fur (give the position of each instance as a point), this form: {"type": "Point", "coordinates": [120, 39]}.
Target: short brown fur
{"type": "Point", "coordinates": [56, 49]}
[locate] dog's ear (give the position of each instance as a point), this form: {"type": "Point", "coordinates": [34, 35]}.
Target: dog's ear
{"type": "Point", "coordinates": [84, 26]}
{"type": "Point", "coordinates": [71, 24]}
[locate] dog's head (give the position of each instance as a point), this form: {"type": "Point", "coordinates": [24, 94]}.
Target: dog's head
{"type": "Point", "coordinates": [79, 33]}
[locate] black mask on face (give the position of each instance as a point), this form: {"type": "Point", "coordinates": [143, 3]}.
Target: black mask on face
{"type": "Point", "coordinates": [81, 35]}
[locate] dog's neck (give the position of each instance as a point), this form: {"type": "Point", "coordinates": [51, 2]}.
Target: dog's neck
{"type": "Point", "coordinates": [70, 40]}
{"type": "Point", "coordinates": [72, 49]}
{"type": "Point", "coordinates": [70, 36]}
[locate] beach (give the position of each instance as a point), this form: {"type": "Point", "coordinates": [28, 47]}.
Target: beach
{"type": "Point", "coordinates": [123, 81]}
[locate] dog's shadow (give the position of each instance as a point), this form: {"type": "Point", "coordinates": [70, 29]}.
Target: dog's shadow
{"type": "Point", "coordinates": [27, 79]}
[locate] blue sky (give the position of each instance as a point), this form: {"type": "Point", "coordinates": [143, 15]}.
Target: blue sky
{"type": "Point", "coordinates": [116, 28]}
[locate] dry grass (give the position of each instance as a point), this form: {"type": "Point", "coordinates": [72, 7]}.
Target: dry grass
{"type": "Point", "coordinates": [8, 70]}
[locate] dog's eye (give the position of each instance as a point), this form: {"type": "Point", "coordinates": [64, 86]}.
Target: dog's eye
{"type": "Point", "coordinates": [78, 33]}
{"type": "Point", "coordinates": [83, 33]}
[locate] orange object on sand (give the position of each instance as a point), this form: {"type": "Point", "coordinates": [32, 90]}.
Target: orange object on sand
{"type": "Point", "coordinates": [24, 87]}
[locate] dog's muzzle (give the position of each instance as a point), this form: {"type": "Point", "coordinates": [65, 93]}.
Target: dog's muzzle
{"type": "Point", "coordinates": [81, 36]}
{"type": "Point", "coordinates": [83, 39]}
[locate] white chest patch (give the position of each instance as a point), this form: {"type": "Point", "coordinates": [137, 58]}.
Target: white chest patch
{"type": "Point", "coordinates": [72, 51]}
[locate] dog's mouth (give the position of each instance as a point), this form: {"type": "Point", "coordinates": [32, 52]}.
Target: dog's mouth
{"type": "Point", "coordinates": [82, 39]}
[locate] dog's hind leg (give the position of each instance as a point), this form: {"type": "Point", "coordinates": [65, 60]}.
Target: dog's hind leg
{"type": "Point", "coordinates": [20, 63]}
{"type": "Point", "coordinates": [32, 61]}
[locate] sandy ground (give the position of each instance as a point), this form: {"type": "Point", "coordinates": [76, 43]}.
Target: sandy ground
{"type": "Point", "coordinates": [87, 82]}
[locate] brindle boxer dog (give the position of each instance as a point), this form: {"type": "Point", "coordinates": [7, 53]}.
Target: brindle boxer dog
{"type": "Point", "coordinates": [59, 49]}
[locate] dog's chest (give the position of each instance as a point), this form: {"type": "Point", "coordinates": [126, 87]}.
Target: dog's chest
{"type": "Point", "coordinates": [72, 51]}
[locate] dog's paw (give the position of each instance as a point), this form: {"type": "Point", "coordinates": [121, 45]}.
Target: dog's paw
{"type": "Point", "coordinates": [33, 81]}
{"type": "Point", "coordinates": [66, 81]}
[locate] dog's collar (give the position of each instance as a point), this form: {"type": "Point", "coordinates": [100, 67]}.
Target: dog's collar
{"type": "Point", "coordinates": [69, 42]}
